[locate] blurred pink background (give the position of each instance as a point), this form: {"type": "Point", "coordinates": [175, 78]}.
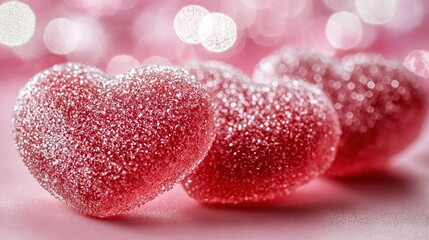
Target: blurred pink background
{"type": "Point", "coordinates": [117, 35]}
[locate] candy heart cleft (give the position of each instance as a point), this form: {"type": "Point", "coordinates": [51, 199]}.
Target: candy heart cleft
{"type": "Point", "coordinates": [271, 138]}
{"type": "Point", "coordinates": [104, 145]}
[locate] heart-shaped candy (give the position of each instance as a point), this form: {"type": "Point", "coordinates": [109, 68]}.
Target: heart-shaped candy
{"type": "Point", "coordinates": [380, 104]}
{"type": "Point", "coordinates": [270, 138]}
{"type": "Point", "coordinates": [104, 144]}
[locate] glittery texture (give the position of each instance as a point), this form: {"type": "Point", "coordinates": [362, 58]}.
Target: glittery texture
{"type": "Point", "coordinates": [104, 145]}
{"type": "Point", "coordinates": [381, 105]}
{"type": "Point", "coordinates": [270, 139]}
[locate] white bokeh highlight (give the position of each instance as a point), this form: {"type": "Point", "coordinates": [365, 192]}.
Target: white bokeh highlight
{"type": "Point", "coordinates": [61, 36]}
{"type": "Point", "coordinates": [409, 15]}
{"type": "Point", "coordinates": [92, 41]}
{"type": "Point", "coordinates": [187, 22]}
{"type": "Point", "coordinates": [217, 32]}
{"type": "Point", "coordinates": [17, 23]}
{"type": "Point", "coordinates": [121, 64]}
{"type": "Point", "coordinates": [337, 5]}
{"type": "Point", "coordinates": [376, 11]}
{"type": "Point", "coordinates": [343, 30]}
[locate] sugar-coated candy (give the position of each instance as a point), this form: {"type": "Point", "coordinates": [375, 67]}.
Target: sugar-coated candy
{"type": "Point", "coordinates": [381, 105]}
{"type": "Point", "coordinates": [271, 138]}
{"type": "Point", "coordinates": [106, 144]}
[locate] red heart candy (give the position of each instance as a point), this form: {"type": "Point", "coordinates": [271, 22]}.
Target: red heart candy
{"type": "Point", "coordinates": [103, 144]}
{"type": "Point", "coordinates": [380, 104]}
{"type": "Point", "coordinates": [270, 139]}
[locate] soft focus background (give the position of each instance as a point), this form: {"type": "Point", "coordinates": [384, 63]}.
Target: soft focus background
{"type": "Point", "coordinates": [117, 35]}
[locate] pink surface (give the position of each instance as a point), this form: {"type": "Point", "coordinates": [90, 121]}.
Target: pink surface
{"type": "Point", "coordinates": [393, 206]}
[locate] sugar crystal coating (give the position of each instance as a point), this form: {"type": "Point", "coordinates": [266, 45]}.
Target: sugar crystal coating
{"type": "Point", "coordinates": [270, 138]}
{"type": "Point", "coordinates": [380, 104]}
{"type": "Point", "coordinates": [104, 145]}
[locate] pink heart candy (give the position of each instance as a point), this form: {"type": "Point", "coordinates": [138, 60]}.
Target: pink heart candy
{"type": "Point", "coordinates": [104, 145]}
{"type": "Point", "coordinates": [271, 138]}
{"type": "Point", "coordinates": [381, 105]}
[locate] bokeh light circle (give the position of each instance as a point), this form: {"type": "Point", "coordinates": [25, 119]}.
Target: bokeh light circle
{"type": "Point", "coordinates": [344, 30]}
{"type": "Point", "coordinates": [187, 21]}
{"type": "Point", "coordinates": [61, 36]}
{"type": "Point", "coordinates": [376, 11]}
{"type": "Point", "coordinates": [17, 23]}
{"type": "Point", "coordinates": [121, 64]}
{"type": "Point", "coordinates": [217, 32]}
{"type": "Point", "coordinates": [409, 15]}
